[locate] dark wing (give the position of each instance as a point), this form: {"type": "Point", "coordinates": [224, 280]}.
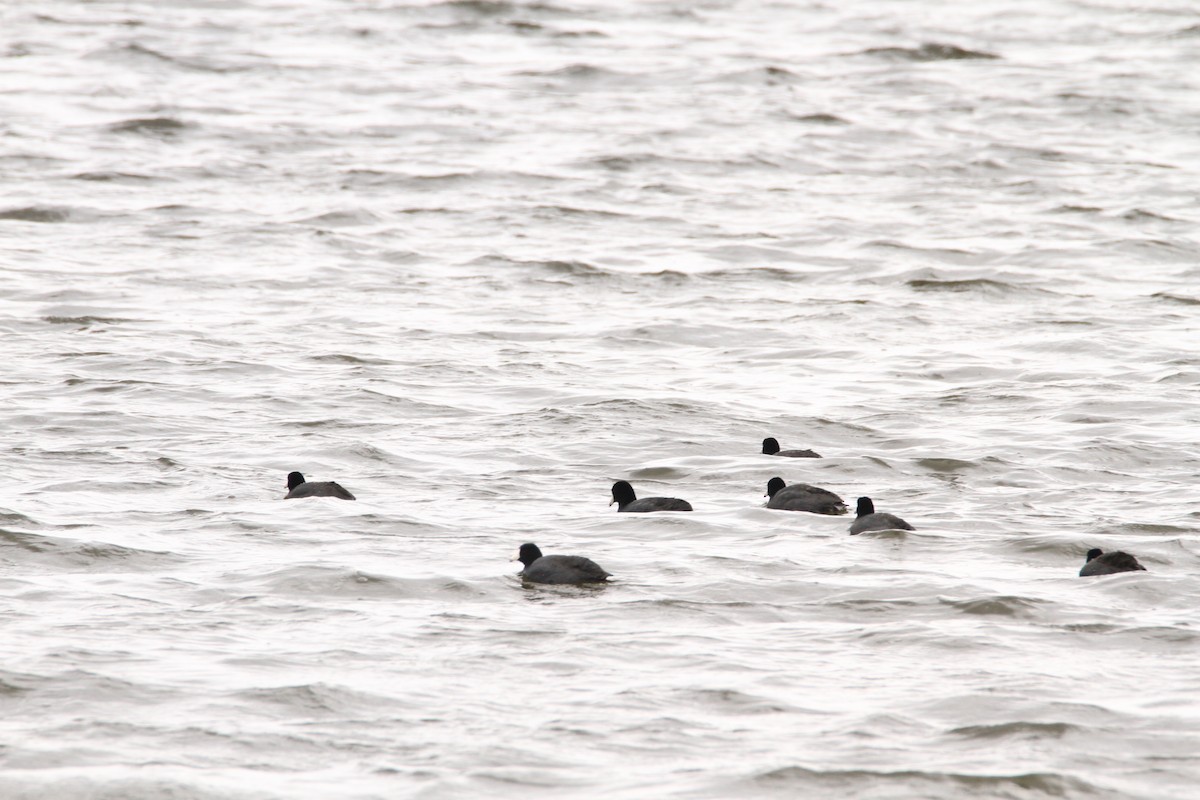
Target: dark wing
{"type": "Point", "coordinates": [319, 489]}
{"type": "Point", "coordinates": [879, 522]}
{"type": "Point", "coordinates": [802, 497]}
{"type": "Point", "coordinates": [798, 454]}
{"type": "Point", "coordinates": [564, 569]}
{"type": "Point", "coordinates": [647, 504]}
{"type": "Point", "coordinates": [1111, 564]}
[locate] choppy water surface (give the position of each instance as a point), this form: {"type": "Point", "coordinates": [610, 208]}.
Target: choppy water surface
{"type": "Point", "coordinates": [476, 260]}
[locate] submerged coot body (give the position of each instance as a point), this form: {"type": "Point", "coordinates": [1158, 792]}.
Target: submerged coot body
{"type": "Point", "coordinates": [298, 487]}
{"type": "Point", "coordinates": [558, 569]}
{"type": "Point", "coordinates": [626, 500]}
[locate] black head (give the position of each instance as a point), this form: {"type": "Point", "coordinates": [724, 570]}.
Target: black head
{"type": "Point", "coordinates": [529, 553]}
{"type": "Point", "coordinates": [865, 506]}
{"type": "Point", "coordinates": [1095, 552]}
{"type": "Point", "coordinates": [623, 493]}
{"type": "Point", "coordinates": [770, 446]}
{"type": "Point", "coordinates": [294, 480]}
{"type": "Point", "coordinates": [774, 485]}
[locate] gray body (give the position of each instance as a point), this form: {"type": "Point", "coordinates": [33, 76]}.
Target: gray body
{"type": "Point", "coordinates": [771, 448]}
{"type": "Point", "coordinates": [656, 504]}
{"type": "Point", "coordinates": [1109, 563]}
{"type": "Point", "coordinates": [298, 487]}
{"type": "Point", "coordinates": [802, 497]}
{"type": "Point", "coordinates": [626, 500]}
{"type": "Point", "coordinates": [869, 519]}
{"type": "Point", "coordinates": [319, 489]}
{"type": "Point", "coordinates": [879, 522]}
{"type": "Point", "coordinates": [564, 569]}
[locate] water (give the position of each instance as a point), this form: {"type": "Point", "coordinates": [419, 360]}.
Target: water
{"type": "Point", "coordinates": [476, 261]}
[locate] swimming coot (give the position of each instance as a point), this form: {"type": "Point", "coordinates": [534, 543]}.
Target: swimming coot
{"type": "Point", "coordinates": [869, 519]}
{"type": "Point", "coordinates": [802, 497]}
{"type": "Point", "coordinates": [298, 487]}
{"type": "Point", "coordinates": [1102, 563]}
{"type": "Point", "coordinates": [771, 448]}
{"type": "Point", "coordinates": [626, 500]}
{"type": "Point", "coordinates": [558, 569]}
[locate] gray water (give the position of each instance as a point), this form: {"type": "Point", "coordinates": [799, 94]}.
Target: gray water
{"type": "Point", "coordinates": [477, 260]}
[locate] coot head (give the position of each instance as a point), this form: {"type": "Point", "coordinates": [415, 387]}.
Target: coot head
{"type": "Point", "coordinates": [865, 506]}
{"type": "Point", "coordinates": [1095, 552]}
{"type": "Point", "coordinates": [622, 493]}
{"type": "Point", "coordinates": [774, 485]}
{"type": "Point", "coordinates": [294, 480]}
{"type": "Point", "coordinates": [770, 446]}
{"type": "Point", "coordinates": [528, 553]}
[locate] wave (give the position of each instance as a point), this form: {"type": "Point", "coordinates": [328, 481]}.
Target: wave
{"type": "Point", "coordinates": [930, 51]}
{"type": "Point", "coordinates": [586, 74]}
{"type": "Point", "coordinates": [54, 554]}
{"type": "Point", "coordinates": [448, 180]}
{"type": "Point", "coordinates": [37, 214]}
{"type": "Point", "coordinates": [767, 76]}
{"type": "Point", "coordinates": [497, 8]}
{"type": "Point", "coordinates": [1000, 606]}
{"type": "Point", "coordinates": [316, 698]}
{"type": "Point", "coordinates": [944, 465]}
{"type": "Point", "coordinates": [326, 581]}
{"type": "Point", "coordinates": [985, 285]}
{"type": "Point", "coordinates": [342, 218]}
{"type": "Point", "coordinates": [732, 701]}
{"type": "Point", "coordinates": [553, 267]}
{"type": "Point", "coordinates": [1177, 298]}
{"type": "Point", "coordinates": [84, 320]}
{"type": "Point", "coordinates": [160, 127]}
{"type": "Point", "coordinates": [819, 119]}
{"type": "Point", "coordinates": [627, 162]}
{"type": "Point", "coordinates": [96, 788]}
{"type": "Point", "coordinates": [79, 688]}
{"type": "Point", "coordinates": [1143, 215]}
{"type": "Point", "coordinates": [919, 783]}
{"type": "Point", "coordinates": [113, 177]}
{"type": "Point", "coordinates": [1036, 730]}
{"type": "Point", "coordinates": [141, 52]}
{"type": "Point", "coordinates": [10, 517]}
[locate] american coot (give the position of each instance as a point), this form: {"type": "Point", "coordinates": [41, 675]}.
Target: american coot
{"type": "Point", "coordinates": [1102, 563]}
{"type": "Point", "coordinates": [626, 500]}
{"type": "Point", "coordinates": [771, 448]}
{"type": "Point", "coordinates": [298, 487]}
{"type": "Point", "coordinates": [869, 519]}
{"type": "Point", "coordinates": [802, 497]}
{"type": "Point", "coordinates": [558, 569]}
